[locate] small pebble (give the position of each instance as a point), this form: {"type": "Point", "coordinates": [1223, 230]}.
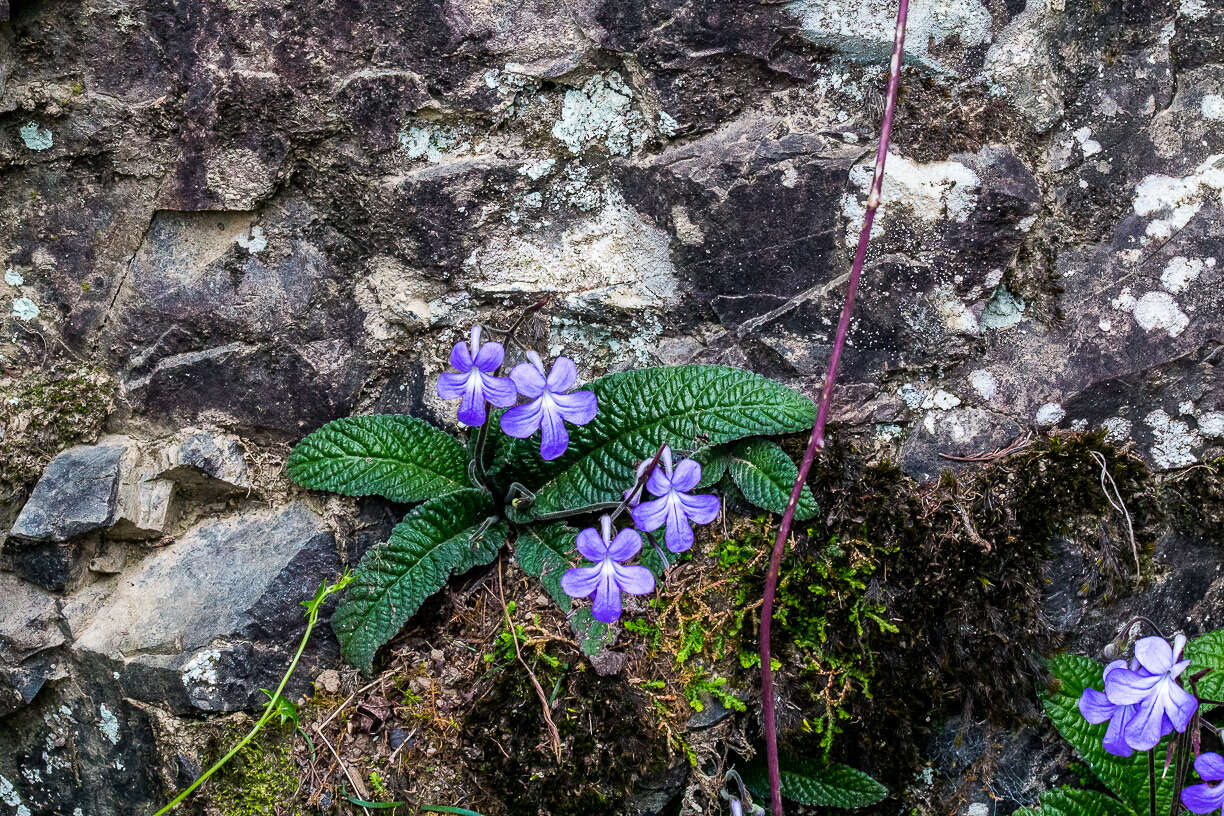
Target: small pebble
{"type": "Point", "coordinates": [328, 681]}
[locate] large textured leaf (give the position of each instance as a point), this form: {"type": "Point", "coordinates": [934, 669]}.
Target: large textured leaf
{"type": "Point", "coordinates": [810, 782]}
{"type": "Point", "coordinates": [434, 541]}
{"type": "Point", "coordinates": [400, 457]}
{"type": "Point", "coordinates": [1207, 652]}
{"type": "Point", "coordinates": [766, 476]}
{"type": "Point", "coordinates": [687, 407]}
{"type": "Point", "coordinates": [1067, 801]}
{"type": "Point", "coordinates": [546, 552]}
{"type": "Point", "coordinates": [1126, 778]}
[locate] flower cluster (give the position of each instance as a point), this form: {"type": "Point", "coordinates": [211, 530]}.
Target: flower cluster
{"type": "Point", "coordinates": [474, 383]}
{"type": "Point", "coordinates": [1143, 701]}
{"type": "Point", "coordinates": [674, 508]}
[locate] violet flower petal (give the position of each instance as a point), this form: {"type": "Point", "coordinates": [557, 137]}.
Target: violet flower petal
{"type": "Point", "coordinates": [607, 606]}
{"type": "Point", "coordinates": [529, 380]}
{"type": "Point", "coordinates": [1115, 739]}
{"type": "Point", "coordinates": [636, 580]}
{"type": "Point", "coordinates": [651, 515]}
{"type": "Point", "coordinates": [1125, 687]}
{"type": "Point", "coordinates": [472, 404]}
{"type": "Point", "coordinates": [1095, 707]}
{"type": "Point", "coordinates": [577, 408]}
{"type": "Point", "coordinates": [563, 376]}
{"type": "Point", "coordinates": [628, 543]}
{"type": "Point", "coordinates": [579, 582]}
{"type": "Point", "coordinates": [1204, 798]}
{"type": "Point", "coordinates": [686, 475]}
{"type": "Point", "coordinates": [461, 357]}
{"type": "Point", "coordinates": [498, 390]}
{"type": "Point", "coordinates": [523, 420]}
{"type": "Point", "coordinates": [1146, 727]}
{"type": "Point", "coordinates": [679, 533]}
{"type": "Point", "coordinates": [1210, 766]}
{"type": "Point", "coordinates": [1154, 654]}
{"type": "Point", "coordinates": [592, 545]}
{"type": "Point", "coordinates": [489, 358]}
{"type": "Point", "coordinates": [451, 385]}
{"type": "Point", "coordinates": [554, 438]}
{"type": "Point", "coordinates": [701, 508]}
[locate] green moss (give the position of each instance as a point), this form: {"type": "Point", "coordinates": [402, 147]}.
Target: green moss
{"type": "Point", "coordinates": [258, 781]}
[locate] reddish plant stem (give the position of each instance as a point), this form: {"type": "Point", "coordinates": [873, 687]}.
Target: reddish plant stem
{"type": "Point", "coordinates": [822, 415]}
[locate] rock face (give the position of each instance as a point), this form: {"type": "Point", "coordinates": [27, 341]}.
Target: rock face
{"type": "Point", "coordinates": [257, 217]}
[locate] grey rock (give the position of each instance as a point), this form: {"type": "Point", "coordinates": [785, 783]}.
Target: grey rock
{"type": "Point", "coordinates": [203, 461]}
{"type": "Point", "coordinates": [208, 620]}
{"type": "Point", "coordinates": [30, 632]}
{"type": "Point", "coordinates": [75, 495]}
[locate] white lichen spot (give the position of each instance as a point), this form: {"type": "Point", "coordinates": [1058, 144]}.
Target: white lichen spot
{"type": "Point", "coordinates": [1177, 199]}
{"type": "Point", "coordinates": [1158, 311]}
{"type": "Point", "coordinates": [668, 126]}
{"type": "Point", "coordinates": [984, 383]}
{"type": "Point", "coordinates": [615, 259]}
{"type": "Point", "coordinates": [1211, 424]}
{"type": "Point", "coordinates": [435, 143]}
{"type": "Point", "coordinates": [601, 111]}
{"type": "Point", "coordinates": [1173, 441]}
{"type": "Point", "coordinates": [13, 278]}
{"type": "Point", "coordinates": [1088, 145]}
{"type": "Point", "coordinates": [1026, 224]}
{"type": "Point", "coordinates": [1050, 414]}
{"type": "Point", "coordinates": [10, 797]}
{"type": "Point", "coordinates": [24, 309]}
{"type": "Point", "coordinates": [944, 190]}
{"type": "Point", "coordinates": [1003, 311]}
{"type": "Point", "coordinates": [911, 395]}
{"type": "Point", "coordinates": [108, 724]}
{"type": "Point", "coordinates": [254, 241]}
{"type": "Point", "coordinates": [1105, 324]}
{"type": "Point", "coordinates": [35, 137]}
{"type": "Point", "coordinates": [864, 29]}
{"type": "Point", "coordinates": [537, 169]}
{"type": "Point", "coordinates": [1117, 429]}
{"type": "Point", "coordinates": [1125, 301]}
{"type": "Point", "coordinates": [953, 313]}
{"type": "Point", "coordinates": [1185, 408]}
{"type": "Point", "coordinates": [1180, 272]}
{"type": "Point", "coordinates": [201, 669]}
{"type": "Point", "coordinates": [1212, 106]}
{"type": "Point", "coordinates": [978, 809]}
{"type": "Point", "coordinates": [1193, 9]}
{"type": "Point", "coordinates": [941, 400]}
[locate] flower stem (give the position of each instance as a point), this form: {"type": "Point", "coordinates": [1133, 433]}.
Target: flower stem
{"type": "Point", "coordinates": [1152, 782]}
{"type": "Point", "coordinates": [816, 441]}
{"type": "Point", "coordinates": [312, 617]}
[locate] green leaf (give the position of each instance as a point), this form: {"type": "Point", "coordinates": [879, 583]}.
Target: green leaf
{"type": "Point", "coordinates": [810, 782]}
{"type": "Point", "coordinates": [400, 457]}
{"type": "Point", "coordinates": [546, 553]}
{"type": "Point", "coordinates": [1066, 801]}
{"type": "Point", "coordinates": [433, 542]}
{"type": "Point", "coordinates": [593, 636]}
{"type": "Point", "coordinates": [1207, 652]}
{"type": "Point", "coordinates": [685, 407]}
{"type": "Point", "coordinates": [1126, 778]}
{"type": "Point", "coordinates": [287, 710]}
{"type": "Point", "coordinates": [713, 463]}
{"type": "Point", "coordinates": [766, 476]}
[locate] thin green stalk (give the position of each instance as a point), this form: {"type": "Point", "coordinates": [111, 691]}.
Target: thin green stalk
{"type": "Point", "coordinates": [312, 618]}
{"type": "Point", "coordinates": [1151, 783]}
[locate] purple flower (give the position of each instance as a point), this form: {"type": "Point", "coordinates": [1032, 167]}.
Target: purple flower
{"type": "Point", "coordinates": [1096, 708]}
{"type": "Point", "coordinates": [607, 577]}
{"type": "Point", "coordinates": [1159, 702]}
{"type": "Point", "coordinates": [475, 383]}
{"type": "Point", "coordinates": [550, 407]}
{"type": "Point", "coordinates": [675, 509]}
{"type": "Point", "coordinates": [1207, 797]}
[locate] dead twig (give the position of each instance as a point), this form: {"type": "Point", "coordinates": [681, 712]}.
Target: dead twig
{"type": "Point", "coordinates": [1018, 444]}
{"type": "Point", "coordinates": [553, 733]}
{"type": "Point", "coordinates": [355, 781]}
{"type": "Point", "coordinates": [1108, 484]}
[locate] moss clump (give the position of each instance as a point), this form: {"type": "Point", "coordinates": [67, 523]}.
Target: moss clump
{"type": "Point", "coordinates": [258, 781]}
{"type": "Point", "coordinates": [1195, 499]}
{"type": "Point", "coordinates": [43, 412]}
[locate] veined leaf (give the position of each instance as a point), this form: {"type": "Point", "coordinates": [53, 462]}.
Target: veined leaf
{"type": "Point", "coordinates": [1066, 801]}
{"type": "Point", "coordinates": [713, 463]}
{"type": "Point", "coordinates": [1207, 652]}
{"type": "Point", "coordinates": [399, 457]}
{"type": "Point", "coordinates": [682, 406]}
{"type": "Point", "coordinates": [434, 541]}
{"type": "Point", "coordinates": [593, 636]}
{"type": "Point", "coordinates": [546, 553]}
{"type": "Point", "coordinates": [810, 782]}
{"type": "Point", "coordinates": [1126, 778]}
{"type": "Point", "coordinates": [766, 476]}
